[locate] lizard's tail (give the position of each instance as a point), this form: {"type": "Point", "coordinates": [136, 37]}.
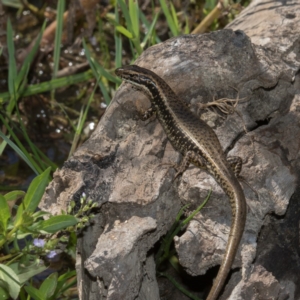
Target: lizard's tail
{"type": "Point", "coordinates": [238, 206]}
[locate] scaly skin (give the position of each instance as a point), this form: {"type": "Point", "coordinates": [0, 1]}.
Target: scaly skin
{"type": "Point", "coordinates": [199, 145]}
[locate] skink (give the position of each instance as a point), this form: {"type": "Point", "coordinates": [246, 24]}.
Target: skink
{"type": "Point", "coordinates": [198, 144]}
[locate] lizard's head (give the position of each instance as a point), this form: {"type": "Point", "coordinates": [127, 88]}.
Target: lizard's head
{"type": "Point", "coordinates": [141, 78]}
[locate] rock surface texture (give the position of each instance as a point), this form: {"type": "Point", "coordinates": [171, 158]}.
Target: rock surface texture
{"type": "Point", "coordinates": [124, 165]}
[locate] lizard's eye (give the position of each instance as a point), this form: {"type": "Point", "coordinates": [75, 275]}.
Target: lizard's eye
{"type": "Point", "coordinates": [136, 78]}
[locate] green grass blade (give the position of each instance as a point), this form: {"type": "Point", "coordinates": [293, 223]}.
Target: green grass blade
{"type": "Point", "coordinates": [97, 70]}
{"type": "Point", "coordinates": [150, 31]}
{"type": "Point", "coordinates": [104, 92]}
{"type": "Point", "coordinates": [58, 35]}
{"type": "Point", "coordinates": [179, 286]}
{"type": "Point", "coordinates": [36, 152]}
{"type": "Point", "coordinates": [119, 47]}
{"type": "Point", "coordinates": [187, 29]}
{"type": "Point", "coordinates": [191, 216]}
{"type": "Point", "coordinates": [137, 48]}
{"type": "Point", "coordinates": [147, 25]}
{"type": "Point", "coordinates": [22, 76]}
{"type": "Point", "coordinates": [13, 3]}
{"type": "Point", "coordinates": [81, 121]}
{"type": "Point", "coordinates": [133, 30]}
{"type": "Point", "coordinates": [118, 42]}
{"type": "Point", "coordinates": [134, 17]}
{"type": "Point", "coordinates": [19, 148]}
{"type": "Point", "coordinates": [44, 162]}
{"type": "Point", "coordinates": [124, 31]}
{"type": "Point", "coordinates": [164, 250]}
{"type": "Point", "coordinates": [132, 33]}
{"type": "Point", "coordinates": [126, 14]}
{"type": "Point", "coordinates": [17, 81]}
{"type": "Point", "coordinates": [19, 152]}
{"type": "Point", "coordinates": [2, 146]}
{"type": "Point", "coordinates": [77, 133]}
{"type": "Point", "coordinates": [31, 145]}
{"type": "Point", "coordinates": [12, 66]}
{"type": "Point", "coordinates": [101, 71]}
{"type": "Point", "coordinates": [169, 18]}
{"type": "Point", "coordinates": [103, 41]}
{"type": "Point", "coordinates": [49, 162]}
{"type": "Point", "coordinates": [52, 84]}
{"type": "Point", "coordinates": [174, 17]}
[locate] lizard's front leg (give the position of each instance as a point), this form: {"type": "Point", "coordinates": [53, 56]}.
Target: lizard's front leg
{"type": "Point", "coordinates": [148, 113]}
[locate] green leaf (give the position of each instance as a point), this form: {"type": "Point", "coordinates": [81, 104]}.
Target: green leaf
{"type": "Point", "coordinates": [64, 277]}
{"type": "Point", "coordinates": [34, 293]}
{"type": "Point", "coordinates": [19, 216]}
{"type": "Point", "coordinates": [28, 272]}
{"type": "Point", "coordinates": [57, 223]}
{"type": "Point", "coordinates": [11, 281]}
{"type": "Point", "coordinates": [14, 195]}
{"type": "Point", "coordinates": [3, 293]}
{"type": "Point", "coordinates": [40, 214]}
{"type": "Point", "coordinates": [48, 287]}
{"type": "Point", "coordinates": [4, 214]}
{"type": "Point", "coordinates": [27, 219]}
{"type": "Point", "coordinates": [64, 282]}
{"type": "Point", "coordinates": [36, 191]}
{"type": "Point", "coordinates": [21, 236]}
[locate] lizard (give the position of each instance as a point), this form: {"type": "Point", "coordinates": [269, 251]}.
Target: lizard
{"type": "Point", "coordinates": [199, 145]}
